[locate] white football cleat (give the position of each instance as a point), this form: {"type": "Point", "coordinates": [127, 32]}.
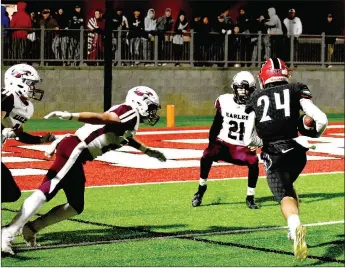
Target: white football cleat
{"type": "Point", "coordinates": [300, 246]}
{"type": "Point", "coordinates": [29, 236]}
{"type": "Point", "coordinates": [6, 242]}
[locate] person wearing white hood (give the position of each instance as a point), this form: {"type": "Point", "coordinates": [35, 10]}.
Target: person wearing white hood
{"type": "Point", "coordinates": [274, 29]}
{"type": "Point", "coordinates": [150, 29]}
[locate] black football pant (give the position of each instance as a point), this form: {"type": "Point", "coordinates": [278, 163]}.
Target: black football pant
{"type": "Point", "coordinates": [10, 191]}
{"type": "Point", "coordinates": [282, 170]}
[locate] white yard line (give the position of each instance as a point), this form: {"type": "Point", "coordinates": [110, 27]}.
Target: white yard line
{"type": "Point", "coordinates": [186, 181]}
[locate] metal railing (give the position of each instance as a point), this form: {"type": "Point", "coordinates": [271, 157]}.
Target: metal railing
{"type": "Point", "coordinates": [83, 46]}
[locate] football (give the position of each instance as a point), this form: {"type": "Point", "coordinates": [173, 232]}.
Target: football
{"type": "Point", "coordinates": [308, 121]}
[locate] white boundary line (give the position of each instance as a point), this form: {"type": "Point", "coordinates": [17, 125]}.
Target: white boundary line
{"type": "Point", "coordinates": [186, 181]}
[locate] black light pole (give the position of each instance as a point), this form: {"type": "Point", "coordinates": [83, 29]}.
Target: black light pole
{"type": "Point", "coordinates": [108, 76]}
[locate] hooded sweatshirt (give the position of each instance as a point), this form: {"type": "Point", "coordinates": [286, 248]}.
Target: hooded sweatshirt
{"type": "Point", "coordinates": [150, 21]}
{"type": "Point", "coordinates": [5, 20]}
{"type": "Point", "coordinates": [274, 24]}
{"type": "Point", "coordinates": [20, 19]}
{"type": "Point", "coordinates": [293, 26]}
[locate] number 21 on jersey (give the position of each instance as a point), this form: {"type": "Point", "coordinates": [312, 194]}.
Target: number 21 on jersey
{"type": "Point", "coordinates": [264, 100]}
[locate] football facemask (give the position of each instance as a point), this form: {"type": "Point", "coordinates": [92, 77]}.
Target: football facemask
{"type": "Point", "coordinates": [152, 118]}
{"type": "Point", "coordinates": [242, 92]}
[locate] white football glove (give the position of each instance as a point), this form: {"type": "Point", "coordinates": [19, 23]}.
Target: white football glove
{"type": "Point", "coordinates": [8, 133]}
{"type": "Point", "coordinates": [62, 115]}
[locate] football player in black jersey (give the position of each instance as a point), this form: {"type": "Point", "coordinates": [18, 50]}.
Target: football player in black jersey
{"type": "Point", "coordinates": [274, 112]}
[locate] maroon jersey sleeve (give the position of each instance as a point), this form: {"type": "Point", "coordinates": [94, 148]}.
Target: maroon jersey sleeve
{"type": "Point", "coordinates": [126, 114]}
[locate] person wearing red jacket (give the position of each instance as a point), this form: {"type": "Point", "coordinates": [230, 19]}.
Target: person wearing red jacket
{"type": "Point", "coordinates": [20, 19]}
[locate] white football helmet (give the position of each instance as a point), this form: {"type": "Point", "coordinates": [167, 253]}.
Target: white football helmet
{"type": "Point", "coordinates": [146, 101]}
{"type": "Point", "coordinates": [22, 79]}
{"type": "Point", "coordinates": [243, 85]}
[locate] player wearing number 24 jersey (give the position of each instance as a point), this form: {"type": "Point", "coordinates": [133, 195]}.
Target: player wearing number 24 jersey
{"type": "Point", "coordinates": [274, 112]}
{"type": "Point", "coordinates": [102, 132]}
{"type": "Point", "coordinates": [226, 138]}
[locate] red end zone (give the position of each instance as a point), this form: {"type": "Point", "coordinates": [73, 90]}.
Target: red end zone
{"type": "Point", "coordinates": [183, 147]}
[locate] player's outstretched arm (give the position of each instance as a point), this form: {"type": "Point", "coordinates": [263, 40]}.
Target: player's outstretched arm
{"type": "Point", "coordinates": [314, 112]}
{"type": "Point", "coordinates": [250, 138]}
{"type": "Point", "coordinates": [86, 117]}
{"type": "Point", "coordinates": [27, 138]}
{"type": "Point", "coordinates": [150, 152]}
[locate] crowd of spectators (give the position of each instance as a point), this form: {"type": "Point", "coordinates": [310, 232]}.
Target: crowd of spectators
{"type": "Point", "coordinates": [138, 32]}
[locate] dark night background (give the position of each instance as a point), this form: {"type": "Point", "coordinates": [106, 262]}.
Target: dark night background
{"type": "Point", "coordinates": [312, 13]}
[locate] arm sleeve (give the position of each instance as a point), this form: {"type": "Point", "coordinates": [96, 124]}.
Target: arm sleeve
{"type": "Point", "coordinates": [314, 112]}
{"type": "Point", "coordinates": [28, 138]}
{"type": "Point", "coordinates": [7, 103]}
{"type": "Point", "coordinates": [136, 144]}
{"type": "Point", "coordinates": [216, 126]}
{"type": "Point", "coordinates": [250, 137]}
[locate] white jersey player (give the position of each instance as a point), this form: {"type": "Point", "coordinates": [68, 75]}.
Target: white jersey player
{"type": "Point", "coordinates": [226, 138]}
{"type": "Point", "coordinates": [16, 109]}
{"type": "Point", "coordinates": [103, 132]}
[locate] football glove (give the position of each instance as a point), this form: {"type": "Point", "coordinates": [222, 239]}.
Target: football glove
{"type": "Point", "coordinates": [156, 154]}
{"type": "Point", "coordinates": [49, 137]}
{"type": "Point", "coordinates": [63, 115]}
{"type": "Point", "coordinates": [8, 133]}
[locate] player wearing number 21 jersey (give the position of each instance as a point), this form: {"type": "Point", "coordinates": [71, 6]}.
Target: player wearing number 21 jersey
{"type": "Point", "coordinates": [102, 132]}
{"type": "Point", "coordinates": [226, 138]}
{"type": "Point", "coordinates": [274, 112]}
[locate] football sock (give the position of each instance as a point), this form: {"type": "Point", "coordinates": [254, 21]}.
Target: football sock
{"type": "Point", "coordinates": [205, 166]}
{"type": "Point", "coordinates": [202, 182]}
{"type": "Point", "coordinates": [250, 191]}
{"type": "Point", "coordinates": [56, 214]}
{"type": "Point", "coordinates": [293, 223]}
{"type": "Point", "coordinates": [29, 207]}
{"type": "Point", "coordinates": [253, 175]}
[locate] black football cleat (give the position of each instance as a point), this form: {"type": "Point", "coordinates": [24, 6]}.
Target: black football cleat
{"type": "Point", "coordinates": [197, 199]}
{"type": "Point", "coordinates": [250, 201]}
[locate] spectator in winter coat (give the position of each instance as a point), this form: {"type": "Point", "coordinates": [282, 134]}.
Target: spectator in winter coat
{"type": "Point", "coordinates": [180, 28]}
{"type": "Point", "coordinates": [246, 48]}
{"type": "Point", "coordinates": [20, 19]}
{"type": "Point", "coordinates": [50, 37]}
{"type": "Point", "coordinates": [5, 24]}
{"type": "Point", "coordinates": [257, 26]}
{"type": "Point", "coordinates": [95, 47]}
{"type": "Point", "coordinates": [330, 28]}
{"type": "Point", "coordinates": [74, 24]}
{"type": "Point", "coordinates": [196, 27]}
{"type": "Point", "coordinates": [150, 30]}
{"type": "Point", "coordinates": [243, 21]}
{"type": "Point", "coordinates": [60, 43]}
{"type": "Point", "coordinates": [5, 20]}
{"type": "Point", "coordinates": [136, 32]}
{"type": "Point", "coordinates": [164, 24]}
{"type": "Point", "coordinates": [33, 37]}
{"type": "Point", "coordinates": [205, 42]}
{"type": "Point", "coordinates": [222, 29]}
{"type": "Point", "coordinates": [275, 35]}
{"type": "Point", "coordinates": [293, 27]}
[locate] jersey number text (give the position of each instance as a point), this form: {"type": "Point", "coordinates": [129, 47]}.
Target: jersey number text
{"type": "Point", "coordinates": [278, 104]}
